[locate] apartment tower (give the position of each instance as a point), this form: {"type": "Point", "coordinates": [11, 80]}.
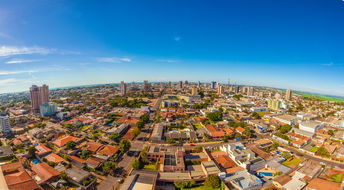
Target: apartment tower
{"type": "Point", "coordinates": [39, 95]}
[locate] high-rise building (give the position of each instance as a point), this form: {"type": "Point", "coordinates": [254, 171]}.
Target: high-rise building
{"type": "Point", "coordinates": [146, 86]}
{"type": "Point", "coordinates": [5, 126]}
{"type": "Point", "coordinates": [162, 86]}
{"type": "Point", "coordinates": [181, 84]}
{"type": "Point", "coordinates": [213, 84]}
{"type": "Point", "coordinates": [194, 91]}
{"type": "Point", "coordinates": [123, 88]}
{"type": "Point", "coordinates": [186, 82]}
{"type": "Point", "coordinates": [274, 104]}
{"type": "Point", "coordinates": [250, 91]}
{"type": "Point", "coordinates": [236, 89]}
{"type": "Point", "coordinates": [38, 95]}
{"type": "Point", "coordinates": [47, 109]}
{"type": "Point", "coordinates": [261, 94]}
{"type": "Point", "coordinates": [199, 84]}
{"type": "Point", "coordinates": [288, 94]}
{"type": "Point", "coordinates": [219, 89]}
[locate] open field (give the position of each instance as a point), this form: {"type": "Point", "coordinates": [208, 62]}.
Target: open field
{"type": "Point", "coordinates": [321, 97]}
{"type": "Point", "coordinates": [314, 149]}
{"type": "Point", "coordinates": [292, 163]}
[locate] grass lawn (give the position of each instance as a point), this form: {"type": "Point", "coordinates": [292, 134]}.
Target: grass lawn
{"type": "Point", "coordinates": [337, 178]}
{"type": "Point", "coordinates": [150, 167]}
{"type": "Point", "coordinates": [201, 188]}
{"type": "Point", "coordinates": [314, 149]}
{"type": "Point", "coordinates": [261, 114]}
{"type": "Point", "coordinates": [85, 127]}
{"type": "Point", "coordinates": [197, 125]}
{"type": "Point", "coordinates": [293, 162]}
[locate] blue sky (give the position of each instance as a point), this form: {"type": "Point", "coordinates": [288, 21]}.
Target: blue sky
{"type": "Point", "coordinates": [296, 44]}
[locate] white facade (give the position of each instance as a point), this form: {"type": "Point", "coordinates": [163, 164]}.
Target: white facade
{"type": "Point", "coordinates": [5, 124]}
{"type": "Point", "coordinates": [310, 126]}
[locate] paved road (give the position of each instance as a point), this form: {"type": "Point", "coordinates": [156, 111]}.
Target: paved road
{"type": "Point", "coordinates": [157, 104]}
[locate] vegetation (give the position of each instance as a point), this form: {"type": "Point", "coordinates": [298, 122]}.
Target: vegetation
{"type": "Point", "coordinates": [321, 97]}
{"type": "Point", "coordinates": [184, 184]}
{"type": "Point", "coordinates": [108, 167]}
{"type": "Point", "coordinates": [215, 116]}
{"type": "Point", "coordinates": [314, 149]}
{"type": "Point", "coordinates": [284, 129]}
{"type": "Point", "coordinates": [85, 154]}
{"type": "Point", "coordinates": [337, 177]}
{"type": "Point", "coordinates": [31, 151]}
{"type": "Point", "coordinates": [124, 102]}
{"type": "Point", "coordinates": [71, 145]}
{"type": "Point", "coordinates": [114, 136]}
{"type": "Point", "coordinates": [192, 162]}
{"type": "Point", "coordinates": [322, 151]}
{"type": "Point", "coordinates": [294, 162]}
{"type": "Point", "coordinates": [137, 164]}
{"type": "Point", "coordinates": [213, 181]}
{"type": "Point", "coordinates": [282, 136]}
{"type": "Point", "coordinates": [237, 96]}
{"type": "Point", "coordinates": [124, 145]}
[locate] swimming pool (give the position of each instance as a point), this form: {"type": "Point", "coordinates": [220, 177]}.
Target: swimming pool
{"type": "Point", "coordinates": [263, 174]}
{"type": "Point", "coordinates": [35, 161]}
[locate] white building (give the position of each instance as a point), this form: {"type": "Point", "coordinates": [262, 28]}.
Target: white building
{"type": "Point", "coordinates": [5, 126]}
{"type": "Point", "coordinates": [310, 126]}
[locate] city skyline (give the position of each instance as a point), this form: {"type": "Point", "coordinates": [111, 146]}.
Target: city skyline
{"type": "Point", "coordinates": [135, 41]}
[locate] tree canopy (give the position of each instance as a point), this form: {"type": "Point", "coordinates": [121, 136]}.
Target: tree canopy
{"type": "Point", "coordinates": [124, 145]}
{"type": "Point", "coordinates": [213, 181]}
{"type": "Point", "coordinates": [215, 116]}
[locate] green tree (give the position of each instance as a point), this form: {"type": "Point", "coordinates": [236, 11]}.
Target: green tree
{"type": "Point", "coordinates": [322, 151]}
{"type": "Point", "coordinates": [140, 124]}
{"type": "Point", "coordinates": [85, 154]}
{"type": "Point", "coordinates": [330, 132]}
{"type": "Point", "coordinates": [108, 167]}
{"type": "Point", "coordinates": [215, 116]}
{"type": "Point", "coordinates": [285, 129]}
{"type": "Point", "coordinates": [124, 145]}
{"type": "Point", "coordinates": [184, 184]}
{"type": "Point", "coordinates": [137, 164]}
{"type": "Point", "coordinates": [144, 155]}
{"type": "Point", "coordinates": [145, 118]}
{"type": "Point", "coordinates": [136, 132]}
{"type": "Point", "coordinates": [114, 136]}
{"type": "Point", "coordinates": [213, 181]}
{"type": "Point", "coordinates": [31, 150]}
{"type": "Point", "coordinates": [71, 145]}
{"type": "Point", "coordinates": [225, 138]}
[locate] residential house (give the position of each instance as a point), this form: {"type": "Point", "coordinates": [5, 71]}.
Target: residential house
{"type": "Point", "coordinates": [44, 173]}
{"type": "Point", "coordinates": [13, 176]}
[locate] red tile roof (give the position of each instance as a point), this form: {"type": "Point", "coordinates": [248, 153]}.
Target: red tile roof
{"type": "Point", "coordinates": [108, 150]}
{"type": "Point", "coordinates": [318, 183]}
{"type": "Point", "coordinates": [78, 159]}
{"type": "Point", "coordinates": [228, 131]}
{"type": "Point", "coordinates": [261, 153]}
{"type": "Point", "coordinates": [44, 171]}
{"type": "Point", "coordinates": [64, 140]}
{"type": "Point", "coordinates": [16, 177]}
{"type": "Point", "coordinates": [215, 132]}
{"type": "Point", "coordinates": [225, 162]}
{"type": "Point", "coordinates": [54, 158]}
{"type": "Point", "coordinates": [240, 129]}
{"type": "Point", "coordinates": [93, 146]}
{"type": "Point", "coordinates": [42, 149]}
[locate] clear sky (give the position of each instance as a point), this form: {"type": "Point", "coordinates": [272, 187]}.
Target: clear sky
{"type": "Point", "coordinates": [296, 44]}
